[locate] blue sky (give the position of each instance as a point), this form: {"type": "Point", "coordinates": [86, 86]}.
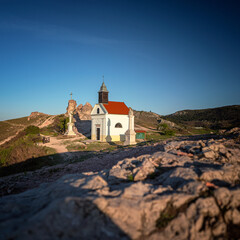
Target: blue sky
{"type": "Point", "coordinates": [162, 56]}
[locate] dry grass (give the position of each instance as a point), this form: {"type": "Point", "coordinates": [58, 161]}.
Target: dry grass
{"type": "Point", "coordinates": [94, 146]}
{"type": "Point", "coordinates": [11, 127]}
{"type": "Point", "coordinates": [7, 130]}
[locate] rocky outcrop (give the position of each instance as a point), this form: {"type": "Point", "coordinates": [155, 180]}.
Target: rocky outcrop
{"type": "Point", "coordinates": [190, 190]}
{"type": "Point", "coordinates": [36, 114]}
{"type": "Point", "coordinates": [72, 104]}
{"type": "Point", "coordinates": [84, 112]}
{"type": "Point", "coordinates": [83, 119]}
{"type": "Point", "coordinates": [233, 133]}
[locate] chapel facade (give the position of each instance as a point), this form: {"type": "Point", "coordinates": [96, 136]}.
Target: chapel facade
{"type": "Point", "coordinates": [110, 120]}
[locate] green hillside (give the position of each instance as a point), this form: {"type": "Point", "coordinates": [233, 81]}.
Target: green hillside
{"type": "Point", "coordinates": [215, 118]}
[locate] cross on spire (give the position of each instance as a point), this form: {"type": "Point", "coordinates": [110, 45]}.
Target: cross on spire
{"type": "Point", "coordinates": [71, 95]}
{"type": "Point", "coordinates": [103, 78]}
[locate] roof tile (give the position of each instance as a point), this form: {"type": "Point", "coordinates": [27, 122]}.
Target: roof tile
{"type": "Point", "coordinates": [116, 108]}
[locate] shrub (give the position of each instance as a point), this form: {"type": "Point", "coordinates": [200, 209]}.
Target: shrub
{"type": "Point", "coordinates": [4, 156]}
{"type": "Point", "coordinates": [32, 130]}
{"type": "Point", "coordinates": [168, 132]}
{"type": "Point", "coordinates": [164, 128]}
{"type": "Point", "coordinates": [63, 121]}
{"type": "Point", "coordinates": [130, 178]}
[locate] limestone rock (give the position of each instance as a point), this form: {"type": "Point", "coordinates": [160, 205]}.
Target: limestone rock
{"type": "Point", "coordinates": [36, 114]}
{"type": "Point", "coordinates": [154, 193]}
{"type": "Point", "coordinates": [71, 106]}
{"type": "Point", "coordinates": [84, 112]}
{"type": "Point", "coordinates": [144, 171]}
{"type": "Point", "coordinates": [180, 176]}
{"type": "Point", "coordinates": [82, 118]}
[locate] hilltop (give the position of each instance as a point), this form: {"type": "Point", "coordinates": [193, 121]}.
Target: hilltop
{"type": "Point", "coordinates": [18, 146]}
{"type": "Point", "coordinates": [182, 122]}
{"type": "Point", "coordinates": [215, 118]}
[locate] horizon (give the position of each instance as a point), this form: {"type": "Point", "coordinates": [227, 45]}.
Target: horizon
{"type": "Point", "coordinates": [155, 56]}
{"type": "Point", "coordinates": [133, 109]}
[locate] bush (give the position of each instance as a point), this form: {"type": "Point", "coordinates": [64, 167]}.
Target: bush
{"type": "Point", "coordinates": [63, 121]}
{"type": "Point", "coordinates": [168, 132]}
{"type": "Point", "coordinates": [32, 130]}
{"type": "Point", "coordinates": [4, 156]}
{"type": "Point", "coordinates": [162, 126]}
{"type": "Point", "coordinates": [165, 130]}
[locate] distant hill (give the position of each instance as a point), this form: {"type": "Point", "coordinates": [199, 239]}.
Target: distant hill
{"type": "Point", "coordinates": [215, 118]}
{"type": "Point", "coordinates": [146, 119]}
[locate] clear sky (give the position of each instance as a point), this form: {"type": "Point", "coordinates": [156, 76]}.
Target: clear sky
{"type": "Point", "coordinates": [162, 56]}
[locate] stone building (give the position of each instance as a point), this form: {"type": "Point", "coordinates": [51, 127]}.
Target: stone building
{"type": "Point", "coordinates": [110, 119]}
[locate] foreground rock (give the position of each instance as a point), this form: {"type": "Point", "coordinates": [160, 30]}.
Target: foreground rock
{"type": "Point", "coordinates": [188, 191]}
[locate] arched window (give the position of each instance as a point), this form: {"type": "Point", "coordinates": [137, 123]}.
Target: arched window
{"type": "Point", "coordinates": [118, 125]}
{"type": "Point", "coordinates": [98, 111]}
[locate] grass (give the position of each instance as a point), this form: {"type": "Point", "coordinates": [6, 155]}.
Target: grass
{"type": "Point", "coordinates": [195, 131]}
{"type": "Point", "coordinates": [130, 178]}
{"type": "Point", "coordinates": [109, 149]}
{"type": "Point", "coordinates": [166, 216]}
{"type": "Point", "coordinates": [22, 148]}
{"type": "Point", "coordinates": [11, 127]}
{"type": "Point", "coordinates": [93, 147]}
{"type": "Point", "coordinates": [48, 150]}
{"type": "Point", "coordinates": [19, 121]}
{"type": "Point", "coordinates": [7, 130]}
{"type": "Point", "coordinates": [75, 147]}
{"type": "Point", "coordinates": [47, 132]}
{"type": "Point", "coordinates": [25, 122]}
{"type": "Point", "coordinates": [156, 136]}
{"type": "Point", "coordinates": [39, 157]}
{"type": "Point", "coordinates": [4, 155]}
{"type": "Point", "coordinates": [31, 164]}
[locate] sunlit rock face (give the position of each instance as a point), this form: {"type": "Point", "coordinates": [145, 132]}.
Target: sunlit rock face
{"type": "Point", "coordinates": [72, 104]}
{"type": "Point", "coordinates": [170, 190]}
{"type": "Point", "coordinates": [84, 112]}
{"type": "Point", "coordinates": [36, 114]}
{"type": "Point", "coordinates": [81, 117]}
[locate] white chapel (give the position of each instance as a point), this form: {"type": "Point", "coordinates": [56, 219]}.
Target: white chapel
{"type": "Point", "coordinates": [110, 120]}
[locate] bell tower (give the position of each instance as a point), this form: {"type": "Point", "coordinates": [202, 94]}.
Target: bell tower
{"type": "Point", "coordinates": [103, 94]}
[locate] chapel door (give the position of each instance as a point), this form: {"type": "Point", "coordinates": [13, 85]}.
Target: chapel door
{"type": "Point", "coordinates": [98, 133]}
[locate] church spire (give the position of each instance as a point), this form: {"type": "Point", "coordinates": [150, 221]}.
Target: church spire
{"type": "Point", "coordinates": [103, 88]}
{"type": "Point", "coordinates": [103, 93]}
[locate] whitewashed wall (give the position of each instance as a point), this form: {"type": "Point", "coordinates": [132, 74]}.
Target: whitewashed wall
{"type": "Point", "coordinates": [107, 123]}
{"type": "Point", "coordinates": [101, 109]}
{"type": "Point", "coordinates": [111, 121]}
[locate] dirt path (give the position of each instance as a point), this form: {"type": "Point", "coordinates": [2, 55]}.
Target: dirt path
{"type": "Point", "coordinates": [138, 127]}
{"type": "Point", "coordinates": [47, 122]}
{"type": "Point", "coordinates": [10, 137]}
{"type": "Point", "coordinates": [20, 128]}
{"type": "Point", "coordinates": [57, 144]}
{"type": "Point", "coordinates": [60, 147]}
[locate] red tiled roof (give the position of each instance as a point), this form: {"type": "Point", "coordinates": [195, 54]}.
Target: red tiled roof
{"type": "Point", "coordinates": [139, 131]}
{"type": "Point", "coordinates": [116, 108]}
